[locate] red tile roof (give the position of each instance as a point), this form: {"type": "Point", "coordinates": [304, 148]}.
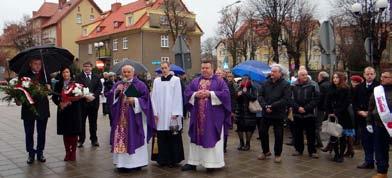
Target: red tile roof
{"type": "Point", "coordinates": [118, 16]}
{"type": "Point", "coordinates": [47, 9]}
{"type": "Point", "coordinates": [260, 29]}
{"type": "Point", "coordinates": [52, 11]}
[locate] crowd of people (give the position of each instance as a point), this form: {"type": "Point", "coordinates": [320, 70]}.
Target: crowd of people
{"type": "Point", "coordinates": [216, 102]}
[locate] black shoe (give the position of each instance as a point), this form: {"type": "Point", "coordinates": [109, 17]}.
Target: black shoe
{"type": "Point", "coordinates": [136, 169]}
{"type": "Point", "coordinates": [188, 167]}
{"type": "Point", "coordinates": [210, 170]}
{"type": "Point", "coordinates": [338, 159]}
{"type": "Point", "coordinates": [30, 160]}
{"type": "Point", "coordinates": [80, 144]}
{"type": "Point", "coordinates": [41, 158]}
{"type": "Point", "coordinates": [365, 166]}
{"type": "Point", "coordinates": [95, 144]}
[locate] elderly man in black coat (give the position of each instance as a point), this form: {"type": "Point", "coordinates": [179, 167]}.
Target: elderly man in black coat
{"type": "Point", "coordinates": [274, 96]}
{"type": "Point", "coordinates": [304, 103]}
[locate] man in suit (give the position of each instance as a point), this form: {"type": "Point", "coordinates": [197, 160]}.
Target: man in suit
{"type": "Point", "coordinates": [40, 119]}
{"type": "Point", "coordinates": [90, 108]}
{"type": "Point", "coordinates": [363, 92]}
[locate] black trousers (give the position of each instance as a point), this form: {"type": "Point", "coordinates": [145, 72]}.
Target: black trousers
{"type": "Point", "coordinates": [170, 148]}
{"type": "Point", "coordinates": [92, 114]}
{"type": "Point", "coordinates": [265, 124]}
{"type": "Point", "coordinates": [308, 125]}
{"type": "Point", "coordinates": [29, 125]}
{"type": "Point", "coordinates": [381, 148]}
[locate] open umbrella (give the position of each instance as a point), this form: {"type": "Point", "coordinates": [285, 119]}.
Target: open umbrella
{"type": "Point", "coordinates": [176, 69]}
{"type": "Point", "coordinates": [139, 68]}
{"type": "Point", "coordinates": [53, 59]}
{"type": "Point", "coordinates": [256, 70]}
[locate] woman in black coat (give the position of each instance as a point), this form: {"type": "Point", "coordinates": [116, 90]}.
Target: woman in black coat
{"type": "Point", "coordinates": [337, 102]}
{"type": "Point", "coordinates": [69, 116]}
{"type": "Point", "coordinates": [246, 120]}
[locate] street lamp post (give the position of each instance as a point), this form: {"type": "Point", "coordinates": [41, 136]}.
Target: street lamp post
{"type": "Point", "coordinates": [228, 6]}
{"type": "Point", "coordinates": [98, 46]}
{"type": "Point", "coordinates": [370, 11]}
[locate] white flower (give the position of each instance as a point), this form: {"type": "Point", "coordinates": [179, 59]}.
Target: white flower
{"type": "Point", "coordinates": [13, 81]}
{"type": "Point", "coordinates": [26, 84]}
{"type": "Point", "coordinates": [77, 91]}
{"type": "Point", "coordinates": [86, 91]}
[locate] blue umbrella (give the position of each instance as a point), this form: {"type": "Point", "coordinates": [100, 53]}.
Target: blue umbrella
{"type": "Point", "coordinates": [176, 69]}
{"type": "Point", "coordinates": [256, 70]}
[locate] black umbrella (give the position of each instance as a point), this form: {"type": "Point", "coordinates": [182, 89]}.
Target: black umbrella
{"type": "Point", "coordinates": [53, 59]}
{"type": "Point", "coordinates": [139, 68]}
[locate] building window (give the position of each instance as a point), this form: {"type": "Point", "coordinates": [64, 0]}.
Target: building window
{"type": "Point", "coordinates": [90, 48]}
{"type": "Point", "coordinates": [115, 44]}
{"type": "Point", "coordinates": [165, 59]}
{"type": "Point", "coordinates": [125, 43]}
{"type": "Point", "coordinates": [84, 32]}
{"type": "Point", "coordinates": [164, 41]}
{"type": "Point", "coordinates": [115, 61]}
{"type": "Point", "coordinates": [78, 8]}
{"type": "Point", "coordinates": [116, 24]}
{"type": "Point", "coordinates": [163, 20]}
{"type": "Point", "coordinates": [130, 20]}
{"type": "Point", "coordinates": [78, 18]}
{"type": "Point", "coordinates": [92, 17]}
{"type": "Point", "coordinates": [92, 10]}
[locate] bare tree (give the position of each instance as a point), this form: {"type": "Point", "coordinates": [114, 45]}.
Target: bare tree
{"type": "Point", "coordinates": [208, 48]}
{"type": "Point", "coordinates": [297, 28]}
{"type": "Point", "coordinates": [370, 23]}
{"type": "Point", "coordinates": [228, 25]}
{"type": "Point", "coordinates": [20, 33]}
{"type": "Point", "coordinates": [273, 13]}
{"type": "Point", "coordinates": [176, 17]}
{"type": "Point", "coordinates": [249, 35]}
{"type": "Point", "coordinates": [349, 47]}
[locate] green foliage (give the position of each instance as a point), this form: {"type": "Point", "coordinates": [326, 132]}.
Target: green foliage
{"type": "Point", "coordinates": [36, 90]}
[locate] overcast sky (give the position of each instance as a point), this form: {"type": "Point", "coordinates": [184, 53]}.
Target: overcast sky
{"type": "Point", "coordinates": [206, 10]}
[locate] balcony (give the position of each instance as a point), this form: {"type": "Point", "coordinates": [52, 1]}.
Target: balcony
{"type": "Point", "coordinates": [103, 53]}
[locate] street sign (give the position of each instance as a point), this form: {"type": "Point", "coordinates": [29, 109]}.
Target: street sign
{"type": "Point", "coordinates": [369, 48]}
{"type": "Point", "coordinates": [327, 40]}
{"type": "Point", "coordinates": [155, 62]}
{"type": "Point", "coordinates": [182, 53]}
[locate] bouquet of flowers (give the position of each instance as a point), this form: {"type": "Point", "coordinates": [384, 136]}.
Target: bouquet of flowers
{"type": "Point", "coordinates": [75, 91]}
{"type": "Point", "coordinates": [23, 91]}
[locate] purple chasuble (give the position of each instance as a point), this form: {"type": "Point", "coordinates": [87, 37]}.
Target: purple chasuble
{"type": "Point", "coordinates": [207, 121]}
{"type": "Point", "coordinates": [126, 125]}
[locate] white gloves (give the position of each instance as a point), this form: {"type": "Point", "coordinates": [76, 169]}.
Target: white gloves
{"type": "Point", "coordinates": [369, 128]}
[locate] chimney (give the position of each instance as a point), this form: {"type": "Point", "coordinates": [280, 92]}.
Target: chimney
{"type": "Point", "coordinates": [62, 3]}
{"type": "Point", "coordinates": [116, 6]}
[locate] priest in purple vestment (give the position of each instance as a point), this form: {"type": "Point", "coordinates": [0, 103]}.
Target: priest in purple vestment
{"type": "Point", "coordinates": [133, 121]}
{"type": "Point", "coordinates": [208, 101]}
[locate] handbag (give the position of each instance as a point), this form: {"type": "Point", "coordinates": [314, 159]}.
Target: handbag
{"type": "Point", "coordinates": [332, 128]}
{"type": "Point", "coordinates": [254, 106]}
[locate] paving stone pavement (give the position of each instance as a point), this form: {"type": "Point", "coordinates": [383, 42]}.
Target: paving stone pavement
{"type": "Point", "coordinates": [97, 162]}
